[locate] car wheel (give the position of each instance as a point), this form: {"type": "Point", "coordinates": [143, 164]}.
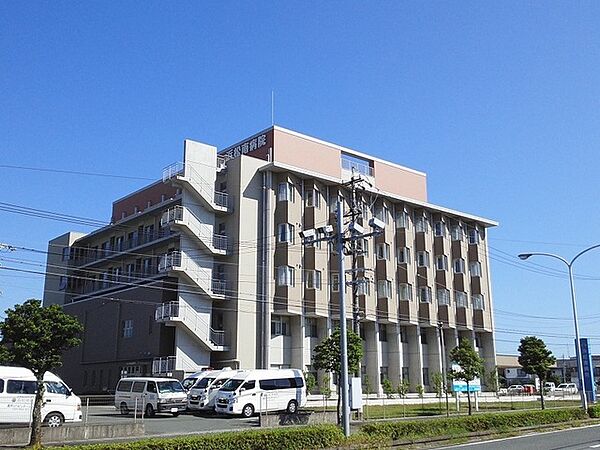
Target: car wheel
{"type": "Point", "coordinates": [54, 420]}
{"type": "Point", "coordinates": [124, 409]}
{"type": "Point", "coordinates": [292, 407]}
{"type": "Point", "coordinates": [248, 411]}
{"type": "Point", "coordinates": [175, 414]}
{"type": "Point", "coordinates": [149, 410]}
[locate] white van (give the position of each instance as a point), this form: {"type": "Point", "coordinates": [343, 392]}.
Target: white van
{"type": "Point", "coordinates": [262, 390]}
{"type": "Point", "coordinates": [203, 394]}
{"type": "Point", "coordinates": [192, 379]}
{"type": "Point", "coordinates": [150, 395]}
{"type": "Point", "coordinates": [17, 395]}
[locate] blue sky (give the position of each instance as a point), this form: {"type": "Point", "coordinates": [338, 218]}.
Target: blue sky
{"type": "Point", "coordinates": [497, 102]}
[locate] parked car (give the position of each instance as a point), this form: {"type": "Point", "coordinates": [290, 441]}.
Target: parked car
{"type": "Point", "coordinates": [18, 387]}
{"type": "Point", "coordinates": [529, 389]}
{"type": "Point", "coordinates": [549, 387]}
{"type": "Point", "coordinates": [202, 396]}
{"type": "Point", "coordinates": [151, 395]}
{"type": "Point", "coordinates": [515, 389]}
{"type": "Point", "coordinates": [263, 390]}
{"type": "Point", "coordinates": [192, 379]}
{"type": "Point", "coordinates": [567, 388]}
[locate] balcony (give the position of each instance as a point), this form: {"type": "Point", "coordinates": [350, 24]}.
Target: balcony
{"type": "Point", "coordinates": [178, 261]}
{"type": "Point", "coordinates": [90, 255]}
{"type": "Point", "coordinates": [174, 314]}
{"type": "Point", "coordinates": [184, 217]}
{"type": "Point", "coordinates": [163, 366]}
{"type": "Point", "coordinates": [218, 201]}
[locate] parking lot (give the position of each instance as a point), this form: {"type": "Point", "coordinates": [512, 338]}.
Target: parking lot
{"type": "Point", "coordinates": [166, 424]}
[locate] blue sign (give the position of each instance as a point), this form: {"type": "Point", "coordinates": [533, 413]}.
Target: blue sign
{"type": "Point", "coordinates": [461, 385]}
{"type": "Point", "coordinates": [588, 370]}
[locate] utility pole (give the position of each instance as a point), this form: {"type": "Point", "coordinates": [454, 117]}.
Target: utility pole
{"type": "Point", "coordinates": [444, 374]}
{"type": "Point", "coordinates": [311, 237]}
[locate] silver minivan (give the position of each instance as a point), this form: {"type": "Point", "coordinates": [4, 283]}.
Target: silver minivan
{"type": "Point", "coordinates": [150, 396]}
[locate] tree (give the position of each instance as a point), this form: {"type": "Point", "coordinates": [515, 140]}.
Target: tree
{"type": "Point", "coordinates": [536, 359]}
{"type": "Point", "coordinates": [388, 388]}
{"type": "Point", "coordinates": [420, 391]}
{"type": "Point", "coordinates": [35, 337]}
{"type": "Point", "coordinates": [438, 386]}
{"type": "Point", "coordinates": [327, 356]}
{"type": "Point", "coordinates": [325, 389]}
{"type": "Point", "coordinates": [402, 389]}
{"type": "Point", "coordinates": [471, 365]}
{"type": "Point", "coordinates": [311, 382]}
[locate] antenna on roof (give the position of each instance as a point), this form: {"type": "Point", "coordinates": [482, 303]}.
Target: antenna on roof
{"type": "Point", "coordinates": [272, 107]}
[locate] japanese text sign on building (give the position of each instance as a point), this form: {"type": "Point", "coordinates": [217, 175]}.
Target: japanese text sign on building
{"type": "Point", "coordinates": [246, 147]}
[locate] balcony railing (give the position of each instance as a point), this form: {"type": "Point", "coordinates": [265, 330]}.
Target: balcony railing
{"type": "Point", "coordinates": [199, 229]}
{"type": "Point", "coordinates": [173, 311]}
{"type": "Point", "coordinates": [163, 365]}
{"type": "Point", "coordinates": [177, 261]}
{"type": "Point", "coordinates": [207, 190]}
{"type": "Point", "coordinates": [92, 255]}
{"type": "Point", "coordinates": [355, 166]}
{"type": "Point", "coordinates": [112, 280]}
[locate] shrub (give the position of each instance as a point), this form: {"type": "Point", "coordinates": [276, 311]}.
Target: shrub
{"type": "Point", "coordinates": [293, 438]}
{"type": "Point", "coordinates": [594, 411]}
{"type": "Point", "coordinates": [407, 430]}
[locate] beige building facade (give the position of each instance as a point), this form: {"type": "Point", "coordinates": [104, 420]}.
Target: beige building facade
{"type": "Point", "coordinates": [206, 268]}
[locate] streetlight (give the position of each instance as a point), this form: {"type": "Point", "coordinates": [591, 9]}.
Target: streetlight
{"type": "Point", "coordinates": [569, 264]}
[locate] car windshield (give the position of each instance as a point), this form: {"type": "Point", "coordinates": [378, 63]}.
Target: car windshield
{"type": "Point", "coordinates": [165, 387]}
{"type": "Point", "coordinates": [188, 382]}
{"type": "Point", "coordinates": [231, 385]}
{"type": "Point", "coordinates": [203, 382]}
{"type": "Point", "coordinates": [562, 385]}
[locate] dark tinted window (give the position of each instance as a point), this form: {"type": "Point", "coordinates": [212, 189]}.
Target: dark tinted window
{"type": "Point", "coordinates": [267, 385]}
{"type": "Point", "coordinates": [284, 383]}
{"type": "Point", "coordinates": [21, 387]}
{"type": "Point", "coordinates": [124, 386]}
{"type": "Point", "coordinates": [138, 386]}
{"type": "Point", "coordinates": [56, 387]}
{"type": "Point", "coordinates": [299, 382]}
{"type": "Point", "coordinates": [1, 385]}
{"type": "Point", "coordinates": [151, 386]}
{"type": "Point", "coordinates": [249, 385]}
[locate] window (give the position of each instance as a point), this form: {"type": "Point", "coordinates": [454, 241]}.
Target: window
{"type": "Point", "coordinates": [425, 376]}
{"type": "Point", "coordinates": [423, 336]}
{"type": "Point", "coordinates": [151, 387]}
{"type": "Point", "coordinates": [124, 386]}
{"type": "Point", "coordinates": [66, 253]}
{"type": "Point", "coordinates": [285, 276]}
{"type": "Point", "coordinates": [279, 326]}
{"type": "Point", "coordinates": [383, 251]}
{"type": "Point", "coordinates": [138, 386]}
{"type": "Point", "coordinates": [335, 282]}
{"type": "Point", "coordinates": [147, 265]}
{"type": "Point", "coordinates": [477, 301]}
{"type": "Point", "coordinates": [475, 268]}
{"type": "Point", "coordinates": [439, 229]}
{"type": "Point", "coordinates": [441, 262]}
{"type": "Point", "coordinates": [459, 265]}
{"type": "Point", "coordinates": [285, 233]}
{"type": "Point", "coordinates": [128, 328]}
{"type": "Point", "coordinates": [313, 279]}
{"type": "Point", "coordinates": [403, 335]}
{"type": "Point", "coordinates": [285, 192]}
{"type": "Point", "coordinates": [405, 373]}
{"type": "Point", "coordinates": [421, 224]}
{"type": "Point", "coordinates": [473, 236]}
{"type": "Point", "coordinates": [456, 232]}
{"type": "Point", "coordinates": [443, 296]}
{"type": "Point", "coordinates": [363, 286]}
{"type": "Point", "coordinates": [461, 299]}
{"type": "Point", "coordinates": [383, 214]}
{"type": "Point", "coordinates": [362, 246]}
{"type": "Point", "coordinates": [423, 259]}
{"type": "Point", "coordinates": [403, 255]}
{"type": "Point", "coordinates": [404, 291]}
{"type": "Point", "coordinates": [402, 218]}
{"type": "Point", "coordinates": [21, 387]}
{"type": "Point", "coordinates": [424, 294]}
{"type": "Point", "coordinates": [384, 289]}
{"type": "Point", "coordinates": [382, 333]}
{"type": "Point", "coordinates": [62, 283]}
{"type": "Point", "coordinates": [312, 198]}
{"type": "Point", "coordinates": [310, 328]}
{"type": "Point", "coordinates": [383, 374]}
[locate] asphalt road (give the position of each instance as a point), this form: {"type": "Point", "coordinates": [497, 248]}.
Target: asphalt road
{"type": "Point", "coordinates": [571, 439]}
{"type": "Point", "coordinates": [166, 424]}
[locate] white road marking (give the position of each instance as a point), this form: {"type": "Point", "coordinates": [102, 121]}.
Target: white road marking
{"type": "Point", "coordinates": [468, 444]}
{"type": "Point", "coordinates": [595, 446]}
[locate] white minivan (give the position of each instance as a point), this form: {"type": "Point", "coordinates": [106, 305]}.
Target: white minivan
{"type": "Point", "coordinates": [150, 395]}
{"type": "Point", "coordinates": [262, 390]}
{"type": "Point", "coordinates": [192, 379]}
{"type": "Point", "coordinates": [17, 394]}
{"type": "Point", "coordinates": [203, 394]}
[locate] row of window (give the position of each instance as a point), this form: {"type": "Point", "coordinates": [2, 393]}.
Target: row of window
{"type": "Point", "coordinates": [286, 193]}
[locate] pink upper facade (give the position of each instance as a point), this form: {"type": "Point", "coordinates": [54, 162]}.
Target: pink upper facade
{"type": "Point", "coordinates": [313, 156]}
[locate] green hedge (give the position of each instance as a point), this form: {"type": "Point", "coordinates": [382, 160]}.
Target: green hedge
{"type": "Point", "coordinates": [293, 438]}
{"type": "Point", "coordinates": [407, 430]}
{"type": "Point", "coordinates": [594, 411]}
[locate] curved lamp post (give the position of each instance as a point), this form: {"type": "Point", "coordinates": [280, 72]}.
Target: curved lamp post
{"type": "Point", "coordinates": [569, 264]}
